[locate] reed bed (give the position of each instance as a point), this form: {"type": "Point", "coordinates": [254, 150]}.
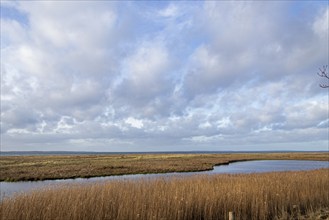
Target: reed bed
{"type": "Point", "coordinates": [278, 195]}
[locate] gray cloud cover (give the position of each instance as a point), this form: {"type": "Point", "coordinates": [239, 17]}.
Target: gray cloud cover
{"type": "Point", "coordinates": [163, 76]}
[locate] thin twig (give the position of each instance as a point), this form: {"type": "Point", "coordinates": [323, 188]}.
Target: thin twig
{"type": "Point", "coordinates": [323, 73]}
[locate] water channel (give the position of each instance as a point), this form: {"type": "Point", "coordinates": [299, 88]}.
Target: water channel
{"type": "Point", "coordinates": [256, 166]}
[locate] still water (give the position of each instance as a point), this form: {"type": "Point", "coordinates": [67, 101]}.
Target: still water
{"type": "Point", "coordinates": [257, 166]}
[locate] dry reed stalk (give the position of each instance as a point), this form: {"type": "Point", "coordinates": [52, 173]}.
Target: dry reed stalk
{"type": "Point", "coordinates": [249, 196]}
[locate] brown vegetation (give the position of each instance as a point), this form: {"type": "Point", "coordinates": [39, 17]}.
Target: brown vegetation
{"type": "Point", "coordinates": [20, 168]}
{"type": "Point", "coordinates": [281, 195]}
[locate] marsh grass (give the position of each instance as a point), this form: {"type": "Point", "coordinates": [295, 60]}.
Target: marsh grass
{"type": "Point", "coordinates": [280, 195]}
{"type": "Point", "coordinates": [20, 168]}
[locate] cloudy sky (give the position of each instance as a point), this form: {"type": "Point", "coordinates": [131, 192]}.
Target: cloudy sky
{"type": "Point", "coordinates": [163, 76]}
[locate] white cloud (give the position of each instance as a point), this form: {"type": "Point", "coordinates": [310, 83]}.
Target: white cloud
{"type": "Point", "coordinates": [134, 122]}
{"type": "Point", "coordinates": [175, 76]}
{"type": "Point", "coordinates": [321, 24]}
{"type": "Point", "coordinates": [170, 11]}
{"type": "Point", "coordinates": [205, 125]}
{"type": "Point", "coordinates": [224, 122]}
{"type": "Point", "coordinates": [149, 64]}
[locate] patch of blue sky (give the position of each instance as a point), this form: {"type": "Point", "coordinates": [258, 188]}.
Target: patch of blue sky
{"type": "Point", "coordinates": [13, 13]}
{"type": "Point", "coordinates": [300, 9]}
{"type": "Point", "coordinates": [152, 4]}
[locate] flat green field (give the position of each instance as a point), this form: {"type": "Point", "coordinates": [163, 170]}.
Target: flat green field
{"type": "Point", "coordinates": [20, 168]}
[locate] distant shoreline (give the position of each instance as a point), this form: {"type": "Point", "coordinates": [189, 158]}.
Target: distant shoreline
{"type": "Point", "coordinates": [48, 153]}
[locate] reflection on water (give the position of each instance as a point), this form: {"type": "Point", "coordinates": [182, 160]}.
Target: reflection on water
{"type": "Point", "coordinates": [257, 166]}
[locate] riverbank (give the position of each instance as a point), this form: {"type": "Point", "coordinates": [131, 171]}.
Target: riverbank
{"type": "Point", "coordinates": [45, 167]}
{"type": "Point", "coordinates": [277, 195]}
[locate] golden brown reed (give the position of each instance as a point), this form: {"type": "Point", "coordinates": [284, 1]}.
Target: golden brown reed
{"type": "Point", "coordinates": [284, 195]}
{"type": "Point", "coordinates": [18, 168]}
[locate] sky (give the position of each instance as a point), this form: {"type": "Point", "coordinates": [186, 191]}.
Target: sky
{"type": "Point", "coordinates": [164, 75]}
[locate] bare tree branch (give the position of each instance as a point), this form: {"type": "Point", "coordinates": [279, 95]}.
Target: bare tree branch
{"type": "Point", "coordinates": [324, 73]}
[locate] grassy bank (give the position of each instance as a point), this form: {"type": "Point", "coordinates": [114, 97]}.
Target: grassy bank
{"type": "Point", "coordinates": [285, 195]}
{"type": "Point", "coordinates": [20, 168]}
